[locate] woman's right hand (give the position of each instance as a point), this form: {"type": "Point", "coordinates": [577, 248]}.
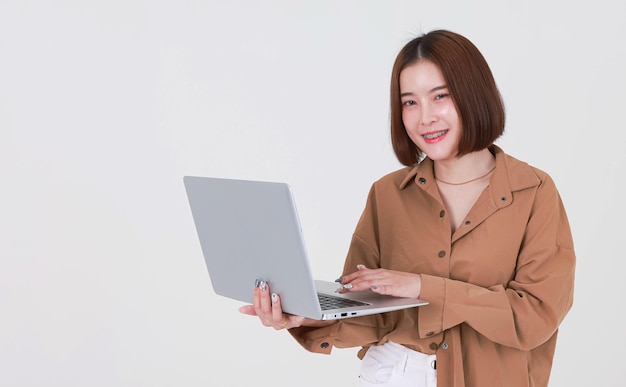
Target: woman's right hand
{"type": "Point", "coordinates": [266, 306]}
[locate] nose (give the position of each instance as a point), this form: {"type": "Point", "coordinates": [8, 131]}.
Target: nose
{"type": "Point", "coordinates": [428, 115]}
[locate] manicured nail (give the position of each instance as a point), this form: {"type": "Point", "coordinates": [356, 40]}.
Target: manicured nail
{"type": "Point", "coordinates": [373, 287]}
{"type": "Point", "coordinates": [263, 285]}
{"type": "Point", "coordinates": [339, 279]}
{"type": "Point", "coordinates": [274, 297]}
{"type": "Point", "coordinates": [347, 286]}
{"type": "Point", "coordinates": [257, 282]}
{"type": "Point", "coordinates": [360, 266]}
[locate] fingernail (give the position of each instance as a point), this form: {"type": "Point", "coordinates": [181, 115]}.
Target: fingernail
{"type": "Point", "coordinates": [373, 287]}
{"type": "Point", "coordinates": [347, 286]}
{"type": "Point", "coordinates": [339, 279]}
{"type": "Point", "coordinates": [257, 282]}
{"type": "Point", "coordinates": [263, 285]}
{"type": "Point", "coordinates": [360, 266]}
{"type": "Point", "coordinates": [274, 297]}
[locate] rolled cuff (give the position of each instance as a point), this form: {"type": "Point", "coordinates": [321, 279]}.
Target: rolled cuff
{"type": "Point", "coordinates": [430, 317]}
{"type": "Point", "coordinates": [318, 340]}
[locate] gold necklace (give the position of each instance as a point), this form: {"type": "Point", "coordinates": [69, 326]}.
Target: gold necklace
{"type": "Point", "coordinates": [466, 182]}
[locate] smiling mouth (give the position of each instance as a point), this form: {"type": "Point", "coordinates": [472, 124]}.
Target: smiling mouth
{"type": "Point", "coordinates": [433, 135]}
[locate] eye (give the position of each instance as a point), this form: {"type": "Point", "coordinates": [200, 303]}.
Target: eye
{"type": "Point", "coordinates": [409, 103]}
{"type": "Point", "coordinates": [441, 96]}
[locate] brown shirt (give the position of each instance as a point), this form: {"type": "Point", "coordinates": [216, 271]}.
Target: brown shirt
{"type": "Point", "coordinates": [498, 287]}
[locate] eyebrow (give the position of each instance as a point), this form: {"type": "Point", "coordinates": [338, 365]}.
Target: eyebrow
{"type": "Point", "coordinates": [438, 88]}
{"type": "Point", "coordinates": [430, 91]}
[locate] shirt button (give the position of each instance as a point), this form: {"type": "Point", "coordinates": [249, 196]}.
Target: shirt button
{"type": "Point", "coordinates": [503, 199]}
{"type": "Point", "coordinates": [324, 345]}
{"type": "Point", "coordinates": [422, 180]}
{"type": "Point", "coordinates": [442, 254]}
{"type": "Point", "coordinates": [430, 334]}
{"type": "Point", "coordinates": [442, 214]}
{"type": "Point", "coordinates": [432, 346]}
{"type": "Point", "coordinates": [467, 222]}
{"type": "Point", "coordinates": [444, 345]}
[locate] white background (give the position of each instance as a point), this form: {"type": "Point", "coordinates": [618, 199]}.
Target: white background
{"type": "Point", "coordinates": [105, 105]}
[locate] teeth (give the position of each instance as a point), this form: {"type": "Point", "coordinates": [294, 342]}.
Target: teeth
{"type": "Point", "coordinates": [430, 136]}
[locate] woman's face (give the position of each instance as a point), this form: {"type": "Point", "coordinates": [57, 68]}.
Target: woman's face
{"type": "Point", "coordinates": [428, 112]}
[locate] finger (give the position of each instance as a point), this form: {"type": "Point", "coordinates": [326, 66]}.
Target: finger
{"type": "Point", "coordinates": [360, 280]}
{"type": "Point", "coordinates": [379, 282]}
{"type": "Point", "coordinates": [361, 270]}
{"type": "Point", "coordinates": [280, 319]}
{"type": "Point", "coordinates": [256, 297]}
{"type": "Point", "coordinates": [277, 310]}
{"type": "Point", "coordinates": [264, 298]}
{"type": "Point", "coordinates": [258, 302]}
{"type": "Point", "coordinates": [345, 279]}
{"type": "Point", "coordinates": [248, 309]}
{"type": "Point", "coordinates": [373, 282]}
{"type": "Point", "coordinates": [296, 321]}
{"type": "Point", "coordinates": [380, 289]}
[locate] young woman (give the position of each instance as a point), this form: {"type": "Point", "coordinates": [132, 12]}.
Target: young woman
{"type": "Point", "coordinates": [479, 234]}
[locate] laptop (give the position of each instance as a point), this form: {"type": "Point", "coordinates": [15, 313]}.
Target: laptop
{"type": "Point", "coordinates": [250, 230]}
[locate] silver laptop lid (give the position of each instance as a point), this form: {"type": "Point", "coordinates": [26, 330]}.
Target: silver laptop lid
{"type": "Point", "coordinates": [250, 230]}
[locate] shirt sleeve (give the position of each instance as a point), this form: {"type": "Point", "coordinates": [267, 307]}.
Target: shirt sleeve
{"type": "Point", "coordinates": [348, 333]}
{"type": "Point", "coordinates": [355, 331]}
{"type": "Point", "coordinates": [527, 311]}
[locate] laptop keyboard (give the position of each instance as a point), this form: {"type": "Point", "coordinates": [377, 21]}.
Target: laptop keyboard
{"type": "Point", "coordinates": [328, 302]}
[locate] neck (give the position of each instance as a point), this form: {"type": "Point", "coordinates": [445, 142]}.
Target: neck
{"type": "Point", "coordinates": [464, 169]}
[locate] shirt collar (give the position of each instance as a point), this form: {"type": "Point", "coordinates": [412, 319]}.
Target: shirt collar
{"type": "Point", "coordinates": [510, 175]}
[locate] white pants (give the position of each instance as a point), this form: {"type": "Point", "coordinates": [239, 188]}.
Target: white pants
{"type": "Point", "coordinates": [394, 365]}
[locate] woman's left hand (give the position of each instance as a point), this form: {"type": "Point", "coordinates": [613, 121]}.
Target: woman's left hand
{"type": "Point", "coordinates": [382, 281]}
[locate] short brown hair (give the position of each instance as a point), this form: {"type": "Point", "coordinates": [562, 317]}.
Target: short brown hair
{"type": "Point", "coordinates": [471, 85]}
